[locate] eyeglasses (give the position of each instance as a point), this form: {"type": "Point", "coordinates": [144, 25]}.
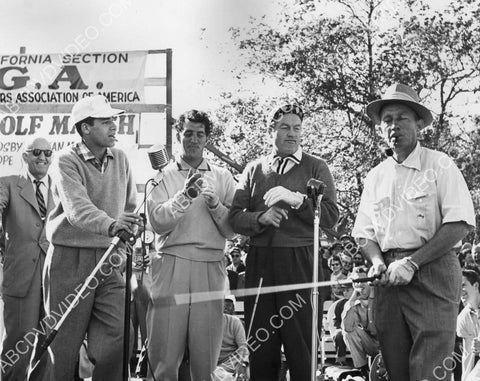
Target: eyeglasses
{"type": "Point", "coordinates": [335, 264]}
{"type": "Point", "coordinates": [38, 152]}
{"type": "Point", "coordinates": [235, 256]}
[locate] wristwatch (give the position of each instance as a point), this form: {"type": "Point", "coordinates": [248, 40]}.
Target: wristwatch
{"type": "Point", "coordinates": [149, 236]}
{"type": "Point", "coordinates": [412, 263]}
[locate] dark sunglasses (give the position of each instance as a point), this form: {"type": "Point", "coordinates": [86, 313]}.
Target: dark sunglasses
{"type": "Point", "coordinates": [38, 152]}
{"type": "Point", "coordinates": [235, 256]}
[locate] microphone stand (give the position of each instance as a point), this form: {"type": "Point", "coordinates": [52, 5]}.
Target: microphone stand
{"type": "Point", "coordinates": [316, 247]}
{"type": "Point", "coordinates": [128, 277]}
{"type": "Point", "coordinates": [126, 323]}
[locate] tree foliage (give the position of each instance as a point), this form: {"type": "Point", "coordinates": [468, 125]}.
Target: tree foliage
{"type": "Point", "coordinates": [336, 64]}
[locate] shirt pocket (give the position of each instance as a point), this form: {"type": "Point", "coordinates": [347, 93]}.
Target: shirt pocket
{"type": "Point", "coordinates": [420, 208]}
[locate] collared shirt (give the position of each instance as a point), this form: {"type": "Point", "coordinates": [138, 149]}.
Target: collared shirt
{"type": "Point", "coordinates": [359, 314]}
{"type": "Point", "coordinates": [45, 184]}
{"type": "Point", "coordinates": [84, 152]}
{"type": "Point", "coordinates": [282, 165]}
{"type": "Point", "coordinates": [404, 204]}
{"type": "Point", "coordinates": [183, 166]}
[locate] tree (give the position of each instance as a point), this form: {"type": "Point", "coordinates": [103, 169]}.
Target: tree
{"type": "Point", "coordinates": [337, 64]}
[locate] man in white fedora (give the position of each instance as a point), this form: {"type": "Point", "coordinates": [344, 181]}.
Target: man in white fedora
{"type": "Point", "coordinates": [95, 198]}
{"type": "Point", "coordinates": [415, 208]}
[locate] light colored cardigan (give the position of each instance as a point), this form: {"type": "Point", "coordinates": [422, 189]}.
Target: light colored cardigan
{"type": "Point", "coordinates": [88, 201]}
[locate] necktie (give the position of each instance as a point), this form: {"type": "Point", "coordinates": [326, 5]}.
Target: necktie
{"type": "Point", "coordinates": [40, 199]}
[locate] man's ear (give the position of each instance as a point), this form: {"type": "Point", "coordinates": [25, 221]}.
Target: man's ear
{"type": "Point", "coordinates": [85, 128]}
{"type": "Point", "coordinates": [420, 124]}
{"type": "Point", "coordinates": [271, 130]}
{"type": "Point", "coordinates": [24, 156]}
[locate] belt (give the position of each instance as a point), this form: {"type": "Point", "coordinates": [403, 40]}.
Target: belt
{"type": "Point", "coordinates": [396, 254]}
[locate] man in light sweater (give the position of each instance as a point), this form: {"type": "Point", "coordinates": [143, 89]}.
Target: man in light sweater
{"type": "Point", "coordinates": [233, 359]}
{"type": "Point", "coordinates": [95, 197]}
{"type": "Point", "coordinates": [189, 211]}
{"type": "Point", "coordinates": [271, 207]}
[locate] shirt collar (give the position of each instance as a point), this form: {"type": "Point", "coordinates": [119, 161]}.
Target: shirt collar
{"type": "Point", "coordinates": [413, 160]}
{"type": "Point", "coordinates": [297, 155]}
{"type": "Point", "coordinates": [84, 152]}
{"type": "Point", "coordinates": [43, 180]}
{"type": "Point", "coordinates": [184, 166]}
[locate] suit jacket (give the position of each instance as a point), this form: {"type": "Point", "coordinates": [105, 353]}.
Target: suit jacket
{"type": "Point", "coordinates": [25, 233]}
{"type": "Point", "coordinates": [240, 268]}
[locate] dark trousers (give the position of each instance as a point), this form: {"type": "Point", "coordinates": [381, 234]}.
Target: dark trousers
{"type": "Point", "coordinates": [340, 346]}
{"type": "Point", "coordinates": [416, 323]}
{"type": "Point", "coordinates": [280, 318]}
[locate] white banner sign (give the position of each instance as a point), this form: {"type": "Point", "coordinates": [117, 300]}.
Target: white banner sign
{"type": "Point", "coordinates": [66, 78]}
{"type": "Point", "coordinates": [16, 130]}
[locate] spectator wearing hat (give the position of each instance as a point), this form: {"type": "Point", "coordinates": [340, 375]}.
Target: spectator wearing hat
{"type": "Point", "coordinates": [358, 324]}
{"type": "Point", "coordinates": [25, 202]}
{"type": "Point", "coordinates": [95, 196]}
{"type": "Point", "coordinates": [415, 208]}
{"type": "Point", "coordinates": [233, 359]}
{"type": "Point", "coordinates": [336, 248]}
{"type": "Point", "coordinates": [237, 265]}
{"type": "Point", "coordinates": [270, 206]}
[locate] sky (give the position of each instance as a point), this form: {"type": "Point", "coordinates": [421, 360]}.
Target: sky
{"type": "Point", "coordinates": [196, 30]}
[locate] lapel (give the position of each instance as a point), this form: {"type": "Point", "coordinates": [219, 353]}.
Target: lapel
{"type": "Point", "coordinates": [26, 192]}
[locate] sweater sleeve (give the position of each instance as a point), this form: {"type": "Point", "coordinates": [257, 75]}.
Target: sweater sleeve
{"type": "Point", "coordinates": [220, 212]}
{"type": "Point", "coordinates": [78, 208]}
{"type": "Point", "coordinates": [165, 212]}
{"type": "Point", "coordinates": [131, 199]}
{"type": "Point", "coordinates": [240, 338]}
{"type": "Point", "coordinates": [243, 220]}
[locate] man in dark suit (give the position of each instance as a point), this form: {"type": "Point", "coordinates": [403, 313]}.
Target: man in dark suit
{"type": "Point", "coordinates": [25, 201]}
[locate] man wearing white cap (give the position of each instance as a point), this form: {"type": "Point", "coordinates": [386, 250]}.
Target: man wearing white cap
{"type": "Point", "coordinates": [95, 197]}
{"type": "Point", "coordinates": [415, 208]}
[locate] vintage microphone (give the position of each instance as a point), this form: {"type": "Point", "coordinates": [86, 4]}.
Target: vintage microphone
{"type": "Point", "coordinates": [315, 189]}
{"type": "Point", "coordinates": [158, 157]}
